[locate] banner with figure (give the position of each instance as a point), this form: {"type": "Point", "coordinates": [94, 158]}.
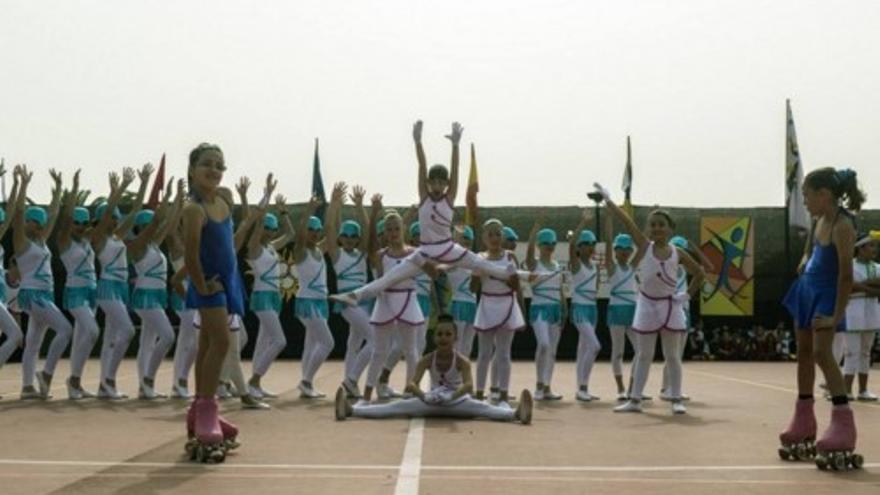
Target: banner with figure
{"type": "Point", "coordinates": [729, 289]}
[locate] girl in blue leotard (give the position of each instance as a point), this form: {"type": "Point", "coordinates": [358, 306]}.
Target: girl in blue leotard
{"type": "Point", "coordinates": [817, 301]}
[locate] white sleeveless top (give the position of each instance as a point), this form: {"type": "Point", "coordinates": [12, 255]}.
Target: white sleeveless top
{"type": "Point", "coordinates": [622, 286]}
{"type": "Point", "coordinates": [351, 270]}
{"type": "Point", "coordinates": [152, 269]}
{"type": "Point", "coordinates": [547, 289]}
{"type": "Point", "coordinates": [863, 311]}
{"type": "Point", "coordinates": [492, 285]}
{"type": "Point", "coordinates": [35, 266]}
{"type": "Point", "coordinates": [658, 278]}
{"type": "Point", "coordinates": [450, 379]}
{"type": "Point", "coordinates": [460, 283]}
{"type": "Point", "coordinates": [312, 276]}
{"type": "Point", "coordinates": [79, 262]}
{"type": "Point", "coordinates": [266, 270]}
{"type": "Point", "coordinates": [585, 285]}
{"type": "Point", "coordinates": [435, 220]}
{"type": "Point", "coordinates": [423, 284]}
{"type": "Point", "coordinates": [114, 260]}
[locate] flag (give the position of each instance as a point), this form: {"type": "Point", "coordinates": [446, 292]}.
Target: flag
{"type": "Point", "coordinates": [473, 187]}
{"type": "Point", "coordinates": [794, 176]}
{"type": "Point", "coordinates": [3, 178]}
{"type": "Point", "coordinates": [318, 184]}
{"type": "Point", "coordinates": [158, 186]}
{"type": "Point", "coordinates": [627, 180]}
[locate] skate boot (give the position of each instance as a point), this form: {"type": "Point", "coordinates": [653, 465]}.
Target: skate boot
{"type": "Point", "coordinates": [343, 408]}
{"type": "Point", "coordinates": [798, 440]}
{"type": "Point", "coordinates": [230, 431]}
{"type": "Point", "coordinates": [208, 445]}
{"type": "Point", "coordinates": [835, 450]}
{"type": "Point", "coordinates": [524, 408]}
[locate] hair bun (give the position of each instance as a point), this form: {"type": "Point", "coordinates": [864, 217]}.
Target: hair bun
{"type": "Point", "coordinates": [845, 175]}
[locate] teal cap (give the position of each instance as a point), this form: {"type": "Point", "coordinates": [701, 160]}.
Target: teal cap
{"type": "Point", "coordinates": [37, 214]}
{"type": "Point", "coordinates": [623, 241]}
{"type": "Point", "coordinates": [99, 211]}
{"type": "Point", "coordinates": [270, 222]}
{"type": "Point", "coordinates": [81, 215]}
{"type": "Point", "coordinates": [679, 242]}
{"type": "Point", "coordinates": [350, 228]}
{"type": "Point", "coordinates": [509, 234]}
{"type": "Point", "coordinates": [415, 229]}
{"type": "Point", "coordinates": [587, 237]}
{"type": "Point", "coordinates": [2, 215]}
{"type": "Point", "coordinates": [380, 227]}
{"type": "Point", "coordinates": [315, 223]}
{"type": "Point", "coordinates": [143, 217]}
{"type": "Point", "coordinates": [546, 236]}
{"type": "Point", "coordinates": [468, 233]}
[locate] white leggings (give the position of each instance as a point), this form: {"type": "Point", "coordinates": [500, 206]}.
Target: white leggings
{"type": "Point", "coordinates": [412, 267]}
{"type": "Point", "coordinates": [185, 352]}
{"type": "Point", "coordinates": [494, 349]}
{"type": "Point", "coordinates": [85, 334]}
{"type": "Point", "coordinates": [406, 334]}
{"type": "Point", "coordinates": [8, 327]}
{"type": "Point", "coordinates": [683, 336]}
{"type": "Point", "coordinates": [587, 350]}
{"type": "Point", "coordinates": [232, 363]}
{"type": "Point", "coordinates": [465, 341]}
{"type": "Point", "coordinates": [118, 331]}
{"type": "Point", "coordinates": [647, 342]}
{"type": "Point", "coordinates": [43, 316]}
{"type": "Point", "coordinates": [858, 352]}
{"type": "Point", "coordinates": [361, 342]}
{"type": "Point", "coordinates": [270, 341]}
{"type": "Point", "coordinates": [838, 347]}
{"type": "Point", "coordinates": [397, 350]}
{"type": "Point", "coordinates": [547, 335]}
{"type": "Point", "coordinates": [619, 335]}
{"type": "Point", "coordinates": [157, 337]}
{"type": "Point", "coordinates": [317, 346]}
{"type": "Point", "coordinates": [462, 408]}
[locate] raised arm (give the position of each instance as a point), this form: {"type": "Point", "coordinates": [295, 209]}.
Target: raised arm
{"type": "Point", "coordinates": [149, 234]}
{"type": "Point", "coordinates": [175, 214]}
{"type": "Point", "coordinates": [423, 162]}
{"type": "Point", "coordinates": [331, 228]}
{"type": "Point", "coordinates": [531, 261]}
{"type": "Point", "coordinates": [372, 234]}
{"type": "Point", "coordinates": [253, 223]}
{"type": "Point", "coordinates": [629, 224]}
{"type": "Point", "coordinates": [11, 202]}
{"type": "Point", "coordinates": [117, 189]}
{"type": "Point", "coordinates": [698, 254]}
{"type": "Point", "coordinates": [455, 138]}
{"type": "Point", "coordinates": [287, 233]}
{"type": "Point", "coordinates": [610, 265]}
{"type": "Point", "coordinates": [357, 197]}
{"type": "Point", "coordinates": [65, 222]}
{"type": "Point", "coordinates": [574, 262]}
{"type": "Point", "coordinates": [128, 222]}
{"type": "Point", "coordinates": [19, 234]}
{"type": "Point", "coordinates": [299, 249]}
{"type": "Point", "coordinates": [57, 193]}
{"type": "Point", "coordinates": [242, 189]}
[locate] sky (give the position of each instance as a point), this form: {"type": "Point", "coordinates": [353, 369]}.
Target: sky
{"type": "Point", "coordinates": [546, 90]}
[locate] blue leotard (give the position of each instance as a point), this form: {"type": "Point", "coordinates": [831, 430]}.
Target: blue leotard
{"type": "Point", "coordinates": [217, 254]}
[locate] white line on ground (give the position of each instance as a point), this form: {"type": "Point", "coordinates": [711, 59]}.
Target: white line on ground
{"type": "Point", "coordinates": [410, 465]}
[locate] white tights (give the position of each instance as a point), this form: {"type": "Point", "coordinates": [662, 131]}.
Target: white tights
{"type": "Point", "coordinates": [547, 335]}
{"type": "Point", "coordinates": [858, 352]}
{"type": "Point", "coordinates": [406, 334]}
{"type": "Point", "coordinates": [683, 336]}
{"type": "Point", "coordinates": [318, 344]}
{"type": "Point", "coordinates": [185, 352]}
{"type": "Point", "coordinates": [270, 342]}
{"type": "Point", "coordinates": [465, 341]}
{"type": "Point", "coordinates": [43, 316]}
{"type": "Point", "coordinates": [647, 342]}
{"type": "Point", "coordinates": [494, 349]}
{"type": "Point", "coordinates": [619, 336]}
{"type": "Point", "coordinates": [157, 337]}
{"type": "Point", "coordinates": [14, 337]}
{"type": "Point", "coordinates": [464, 407]}
{"type": "Point", "coordinates": [588, 349]}
{"type": "Point", "coordinates": [85, 334]}
{"type": "Point", "coordinates": [118, 331]}
{"type": "Point", "coordinates": [361, 342]}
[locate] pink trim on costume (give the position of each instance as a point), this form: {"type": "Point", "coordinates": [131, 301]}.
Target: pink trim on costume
{"type": "Point", "coordinates": [506, 317]}
{"type": "Point", "coordinates": [397, 317]}
{"type": "Point", "coordinates": [665, 325]}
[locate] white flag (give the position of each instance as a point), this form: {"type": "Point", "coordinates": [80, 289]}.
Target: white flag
{"type": "Point", "coordinates": [794, 176]}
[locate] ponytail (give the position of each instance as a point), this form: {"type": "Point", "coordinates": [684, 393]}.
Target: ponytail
{"type": "Point", "coordinates": [842, 183]}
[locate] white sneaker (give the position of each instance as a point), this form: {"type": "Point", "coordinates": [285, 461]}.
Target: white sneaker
{"type": "Point", "coordinates": [30, 394]}
{"type": "Point", "coordinates": [867, 396]}
{"type": "Point", "coordinates": [255, 392]}
{"type": "Point", "coordinates": [539, 394]}
{"type": "Point", "coordinates": [585, 396]}
{"type": "Point", "coordinates": [45, 385]}
{"type": "Point", "coordinates": [308, 392]}
{"type": "Point", "coordinates": [178, 392]}
{"type": "Point", "coordinates": [551, 396]}
{"type": "Point", "coordinates": [250, 402]}
{"type": "Point", "coordinates": [351, 389]}
{"type": "Point", "coordinates": [629, 406]}
{"type": "Point", "coordinates": [678, 408]}
{"type": "Point", "coordinates": [147, 392]}
{"type": "Point", "coordinates": [267, 394]}
{"type": "Point", "coordinates": [622, 397]}
{"type": "Point", "coordinates": [665, 397]}
{"type": "Point", "coordinates": [385, 392]}
{"type": "Point", "coordinates": [494, 396]}
{"type": "Point", "coordinates": [106, 392]}
{"type": "Point", "coordinates": [77, 393]}
{"type": "Point", "coordinates": [223, 392]}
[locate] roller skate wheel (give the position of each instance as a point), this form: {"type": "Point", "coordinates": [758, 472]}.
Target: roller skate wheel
{"type": "Point", "coordinates": [231, 444]}
{"type": "Point", "coordinates": [821, 463]}
{"type": "Point", "coordinates": [800, 451]}
{"type": "Point", "coordinates": [783, 454]}
{"type": "Point", "coordinates": [839, 462]}
{"type": "Point", "coordinates": [857, 461]}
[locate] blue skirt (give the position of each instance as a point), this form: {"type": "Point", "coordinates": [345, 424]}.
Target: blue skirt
{"type": "Point", "coordinates": [621, 315]}
{"type": "Point", "coordinates": [804, 302]}
{"type": "Point", "coordinates": [176, 302]}
{"type": "Point", "coordinates": [113, 290]}
{"type": "Point", "coordinates": [77, 297]}
{"type": "Point", "coordinates": [266, 300]}
{"type": "Point", "coordinates": [584, 313]}
{"type": "Point", "coordinates": [306, 308]}
{"type": "Point", "coordinates": [29, 298]}
{"type": "Point", "coordinates": [551, 313]}
{"type": "Point", "coordinates": [232, 297]}
{"type": "Point", "coordinates": [149, 299]}
{"type": "Point", "coordinates": [424, 304]}
{"type": "Point", "coordinates": [463, 311]}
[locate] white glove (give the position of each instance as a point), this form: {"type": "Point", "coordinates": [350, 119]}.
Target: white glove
{"type": "Point", "coordinates": [601, 190]}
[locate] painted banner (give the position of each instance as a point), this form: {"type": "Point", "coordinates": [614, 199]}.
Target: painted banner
{"type": "Point", "coordinates": [729, 289]}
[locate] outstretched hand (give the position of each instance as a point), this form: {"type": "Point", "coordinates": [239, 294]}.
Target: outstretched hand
{"type": "Point", "coordinates": [145, 172]}
{"type": "Point", "coordinates": [601, 190]}
{"type": "Point", "coordinates": [376, 200]}
{"type": "Point", "coordinates": [243, 185]}
{"type": "Point", "coordinates": [128, 175]}
{"type": "Point", "coordinates": [455, 135]}
{"type": "Point", "coordinates": [357, 195]}
{"type": "Point", "coordinates": [314, 204]}
{"type": "Point", "coordinates": [339, 190]}
{"type": "Point", "coordinates": [417, 131]}
{"type": "Point", "coordinates": [56, 178]}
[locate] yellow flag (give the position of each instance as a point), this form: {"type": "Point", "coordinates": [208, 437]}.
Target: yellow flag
{"type": "Point", "coordinates": [470, 213]}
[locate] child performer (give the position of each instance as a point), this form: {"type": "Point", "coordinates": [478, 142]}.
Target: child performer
{"type": "Point", "coordinates": [451, 385]}
{"type": "Point", "coordinates": [547, 308]}
{"type": "Point", "coordinates": [8, 325]}
{"type": "Point", "coordinates": [862, 317]}
{"type": "Point", "coordinates": [621, 302]}
{"type": "Point", "coordinates": [817, 300]}
{"type": "Point", "coordinates": [463, 306]}
{"type": "Point", "coordinates": [584, 287]}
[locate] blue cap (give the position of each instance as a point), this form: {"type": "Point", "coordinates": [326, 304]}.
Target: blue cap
{"type": "Point", "coordinates": [350, 228]}
{"type": "Point", "coordinates": [315, 223]}
{"type": "Point", "coordinates": [468, 233]}
{"type": "Point", "coordinates": [380, 226]}
{"type": "Point", "coordinates": [587, 237]}
{"type": "Point", "coordinates": [2, 215]}
{"type": "Point", "coordinates": [509, 234]}
{"type": "Point", "coordinates": [679, 242]}
{"type": "Point", "coordinates": [546, 236]}
{"type": "Point", "coordinates": [99, 211]}
{"type": "Point", "coordinates": [143, 217]}
{"type": "Point", "coordinates": [270, 222]}
{"type": "Point", "coordinates": [81, 215]}
{"type": "Point", "coordinates": [623, 241]}
{"type": "Point", "coordinates": [37, 214]}
{"type": "Point", "coordinates": [415, 229]}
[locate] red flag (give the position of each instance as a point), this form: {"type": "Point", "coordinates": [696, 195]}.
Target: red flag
{"type": "Point", "coordinates": [470, 215]}
{"type": "Point", "coordinates": [158, 186]}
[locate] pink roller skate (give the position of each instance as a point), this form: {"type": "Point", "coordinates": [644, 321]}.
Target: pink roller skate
{"type": "Point", "coordinates": [835, 448]}
{"type": "Point", "coordinates": [230, 431]}
{"type": "Point", "coordinates": [798, 440]}
{"type": "Point", "coordinates": [208, 445]}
